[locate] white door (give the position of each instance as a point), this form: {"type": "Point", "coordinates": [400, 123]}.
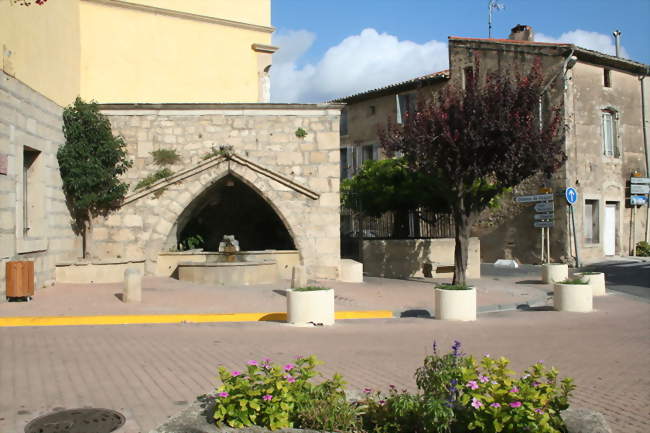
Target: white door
{"type": "Point", "coordinates": [609, 241]}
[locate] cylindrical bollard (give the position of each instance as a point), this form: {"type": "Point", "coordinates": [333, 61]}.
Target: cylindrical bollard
{"type": "Point", "coordinates": [576, 298]}
{"type": "Point", "coordinates": [554, 272]}
{"type": "Point", "coordinates": [132, 286]}
{"type": "Point", "coordinates": [596, 280]}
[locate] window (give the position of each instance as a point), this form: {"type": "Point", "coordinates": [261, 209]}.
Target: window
{"type": "Point", "coordinates": [344, 121]}
{"type": "Point", "coordinates": [610, 133]}
{"type": "Point", "coordinates": [591, 226]}
{"type": "Point", "coordinates": [31, 192]}
{"type": "Point", "coordinates": [344, 163]}
{"type": "Point", "coordinates": [405, 106]}
{"type": "Point", "coordinates": [366, 154]}
{"type": "Point", "coordinates": [372, 110]}
{"type": "Point", "coordinates": [607, 77]}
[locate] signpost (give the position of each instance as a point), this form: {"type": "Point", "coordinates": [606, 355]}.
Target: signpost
{"type": "Point", "coordinates": [638, 200]}
{"type": "Point", "coordinates": [571, 196]}
{"type": "Point", "coordinates": [639, 191]}
{"type": "Point", "coordinates": [543, 220]}
{"type": "Point", "coordinates": [640, 180]}
{"type": "Point", "coordinates": [546, 206]}
{"type": "Point", "coordinates": [544, 216]}
{"type": "Point", "coordinates": [534, 198]}
{"type": "Point", "coordinates": [636, 188]}
{"type": "Point", "coordinates": [543, 224]}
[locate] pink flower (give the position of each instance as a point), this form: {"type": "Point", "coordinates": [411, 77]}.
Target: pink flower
{"type": "Point", "coordinates": [472, 384]}
{"type": "Point", "coordinates": [235, 373]}
{"type": "Point", "coordinates": [484, 379]}
{"type": "Point", "coordinates": [495, 405]}
{"type": "Point", "coordinates": [476, 403]}
{"type": "Point", "coordinates": [266, 360]}
{"type": "Point", "coordinates": [267, 397]}
{"type": "Point", "coordinates": [289, 367]}
{"type": "Point", "coordinates": [515, 404]}
{"type": "Point", "coordinates": [367, 390]}
{"type": "Point", "coordinates": [382, 402]}
{"type": "Point", "coordinates": [514, 389]}
{"type": "Point", "coordinates": [290, 378]}
{"type": "Point", "coordinates": [223, 394]}
{"type": "Point", "coordinates": [539, 411]}
{"type": "Point", "coordinates": [252, 362]}
{"type": "Point", "coordinates": [536, 384]}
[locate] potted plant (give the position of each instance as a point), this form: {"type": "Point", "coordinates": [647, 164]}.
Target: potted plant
{"type": "Point", "coordinates": [455, 302]}
{"type": "Point", "coordinates": [310, 306]}
{"type": "Point", "coordinates": [554, 272]}
{"type": "Point", "coordinates": [596, 280]}
{"type": "Point", "coordinates": [573, 295]}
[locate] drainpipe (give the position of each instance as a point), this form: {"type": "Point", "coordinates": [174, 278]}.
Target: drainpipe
{"type": "Point", "coordinates": [617, 38]}
{"type": "Point", "coordinates": [644, 119]}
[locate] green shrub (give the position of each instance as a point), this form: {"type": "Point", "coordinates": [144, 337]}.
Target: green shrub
{"type": "Point", "coordinates": [327, 409]}
{"type": "Point", "coordinates": [576, 280]}
{"type": "Point", "coordinates": [153, 178]}
{"type": "Point", "coordinates": [453, 287]}
{"type": "Point", "coordinates": [190, 243]}
{"type": "Point", "coordinates": [165, 157]}
{"type": "Point", "coordinates": [301, 133]}
{"type": "Point", "coordinates": [643, 249]}
{"type": "Point", "coordinates": [270, 395]}
{"type": "Point", "coordinates": [309, 289]}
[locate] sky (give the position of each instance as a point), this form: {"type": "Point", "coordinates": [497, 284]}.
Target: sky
{"type": "Point", "coordinates": [336, 48]}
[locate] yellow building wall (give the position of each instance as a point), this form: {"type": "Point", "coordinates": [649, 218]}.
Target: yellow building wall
{"type": "Point", "coordinates": [130, 55]}
{"type": "Point", "coordinates": [39, 46]}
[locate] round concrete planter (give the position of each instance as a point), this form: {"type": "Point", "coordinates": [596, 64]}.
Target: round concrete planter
{"type": "Point", "coordinates": [455, 304]}
{"type": "Point", "coordinates": [554, 272]}
{"type": "Point", "coordinates": [309, 308]}
{"type": "Point", "coordinates": [597, 282]}
{"type": "Point", "coordinates": [576, 298]}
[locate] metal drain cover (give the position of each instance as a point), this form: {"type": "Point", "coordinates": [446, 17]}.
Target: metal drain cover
{"type": "Point", "coordinates": [77, 421]}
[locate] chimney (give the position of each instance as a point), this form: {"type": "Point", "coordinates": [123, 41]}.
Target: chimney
{"type": "Point", "coordinates": [522, 32]}
{"type": "Point", "coordinates": [617, 38]}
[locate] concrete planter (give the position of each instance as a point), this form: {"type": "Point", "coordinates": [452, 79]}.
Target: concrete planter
{"type": "Point", "coordinates": [455, 304]}
{"type": "Point", "coordinates": [597, 282]}
{"type": "Point", "coordinates": [554, 272]}
{"type": "Point", "coordinates": [575, 298]}
{"type": "Point", "coordinates": [310, 307]}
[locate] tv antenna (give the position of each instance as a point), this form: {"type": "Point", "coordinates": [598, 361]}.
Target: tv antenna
{"type": "Point", "coordinates": [493, 6]}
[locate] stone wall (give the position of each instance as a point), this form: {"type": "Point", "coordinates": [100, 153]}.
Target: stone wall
{"type": "Point", "coordinates": [31, 127]}
{"type": "Point", "coordinates": [298, 177]}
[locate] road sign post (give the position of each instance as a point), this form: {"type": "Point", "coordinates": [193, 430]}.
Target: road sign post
{"type": "Point", "coordinates": [571, 195]}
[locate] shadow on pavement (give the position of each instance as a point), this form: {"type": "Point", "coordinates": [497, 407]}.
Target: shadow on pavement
{"type": "Point", "coordinates": [419, 313]}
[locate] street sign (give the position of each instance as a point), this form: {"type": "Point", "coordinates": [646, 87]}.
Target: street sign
{"type": "Point", "coordinates": [639, 189]}
{"type": "Point", "coordinates": [638, 200]}
{"type": "Point", "coordinates": [544, 207]}
{"type": "Point", "coordinates": [642, 180]}
{"type": "Point", "coordinates": [571, 195]}
{"type": "Point", "coordinates": [544, 216]}
{"type": "Point", "coordinates": [542, 224]}
{"type": "Point", "coordinates": [533, 198]}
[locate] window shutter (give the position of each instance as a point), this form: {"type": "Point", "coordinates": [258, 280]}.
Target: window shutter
{"type": "Point", "coordinates": [398, 108]}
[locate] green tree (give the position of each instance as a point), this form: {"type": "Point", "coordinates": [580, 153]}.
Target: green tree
{"type": "Point", "coordinates": [390, 186]}
{"type": "Point", "coordinates": [91, 161]}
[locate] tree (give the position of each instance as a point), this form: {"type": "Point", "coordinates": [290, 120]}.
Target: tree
{"type": "Point", "coordinates": [479, 142]}
{"type": "Point", "coordinates": [390, 186]}
{"type": "Point", "coordinates": [91, 161]}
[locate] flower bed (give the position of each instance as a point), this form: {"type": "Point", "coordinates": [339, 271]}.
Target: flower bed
{"type": "Point", "coordinates": [456, 393]}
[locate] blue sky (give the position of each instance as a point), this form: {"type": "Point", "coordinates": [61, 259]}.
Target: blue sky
{"type": "Point", "coordinates": [333, 48]}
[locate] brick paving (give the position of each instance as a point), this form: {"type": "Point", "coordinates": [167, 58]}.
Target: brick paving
{"type": "Point", "coordinates": [149, 372]}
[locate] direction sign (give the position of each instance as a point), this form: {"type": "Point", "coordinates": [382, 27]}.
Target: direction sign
{"type": "Point", "coordinates": [544, 207]}
{"type": "Point", "coordinates": [544, 216]}
{"type": "Point", "coordinates": [533, 198]}
{"type": "Point", "coordinates": [642, 180]}
{"type": "Point", "coordinates": [639, 189]}
{"type": "Point", "coordinates": [571, 195]}
{"type": "Point", "coordinates": [542, 224]}
{"type": "Point", "coordinates": [638, 200]}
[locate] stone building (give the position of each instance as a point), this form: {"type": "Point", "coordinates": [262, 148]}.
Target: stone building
{"type": "Point", "coordinates": [601, 98]}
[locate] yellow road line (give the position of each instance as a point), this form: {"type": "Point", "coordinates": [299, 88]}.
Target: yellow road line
{"type": "Point", "coordinates": [173, 318]}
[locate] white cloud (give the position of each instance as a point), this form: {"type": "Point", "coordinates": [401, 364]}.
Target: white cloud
{"type": "Point", "coordinates": [360, 62]}
{"type": "Point", "coordinates": [585, 39]}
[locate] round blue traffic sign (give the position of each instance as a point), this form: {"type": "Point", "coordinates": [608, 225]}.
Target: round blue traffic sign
{"type": "Point", "coordinates": [571, 195]}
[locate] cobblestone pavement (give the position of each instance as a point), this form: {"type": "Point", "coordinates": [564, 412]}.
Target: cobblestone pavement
{"type": "Point", "coordinates": [152, 372]}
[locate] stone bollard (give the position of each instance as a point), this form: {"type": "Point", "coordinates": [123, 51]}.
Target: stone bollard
{"type": "Point", "coordinates": [132, 286]}
{"type": "Point", "coordinates": [298, 277]}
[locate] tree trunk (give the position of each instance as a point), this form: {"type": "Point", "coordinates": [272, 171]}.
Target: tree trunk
{"type": "Point", "coordinates": [462, 231]}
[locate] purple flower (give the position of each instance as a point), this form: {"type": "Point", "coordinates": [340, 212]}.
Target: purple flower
{"type": "Point", "coordinates": [266, 360]}
{"type": "Point", "coordinates": [476, 403]}
{"type": "Point", "coordinates": [536, 384]}
{"type": "Point", "coordinates": [223, 394]}
{"type": "Point", "coordinates": [392, 386]}
{"type": "Point", "coordinates": [495, 405]}
{"type": "Point", "coordinates": [435, 347]}
{"type": "Point", "coordinates": [486, 355]}
{"type": "Point", "coordinates": [235, 373]}
{"type": "Point", "coordinates": [252, 362]}
{"type": "Point", "coordinates": [290, 378]}
{"type": "Point", "coordinates": [539, 411]}
{"type": "Point", "coordinates": [289, 367]}
{"type": "Point", "coordinates": [514, 389]}
{"type": "Point", "coordinates": [382, 402]}
{"type": "Point", "coordinates": [483, 379]}
{"type": "Point", "coordinates": [455, 348]}
{"type": "Point", "coordinates": [472, 384]}
{"type": "Point", "coordinates": [515, 404]}
{"type": "Point", "coordinates": [367, 390]}
{"type": "Point", "coordinates": [267, 397]}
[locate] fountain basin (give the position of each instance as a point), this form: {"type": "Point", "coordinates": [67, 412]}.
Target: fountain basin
{"type": "Point", "coordinates": [230, 273]}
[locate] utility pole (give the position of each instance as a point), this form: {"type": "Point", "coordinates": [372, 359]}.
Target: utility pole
{"type": "Point", "coordinates": [492, 5]}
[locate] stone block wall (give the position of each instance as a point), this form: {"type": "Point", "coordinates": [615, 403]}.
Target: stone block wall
{"type": "Point", "coordinates": [298, 177]}
{"type": "Point", "coordinates": [31, 127]}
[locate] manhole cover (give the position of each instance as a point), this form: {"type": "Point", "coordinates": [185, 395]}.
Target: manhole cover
{"type": "Point", "coordinates": [77, 421]}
